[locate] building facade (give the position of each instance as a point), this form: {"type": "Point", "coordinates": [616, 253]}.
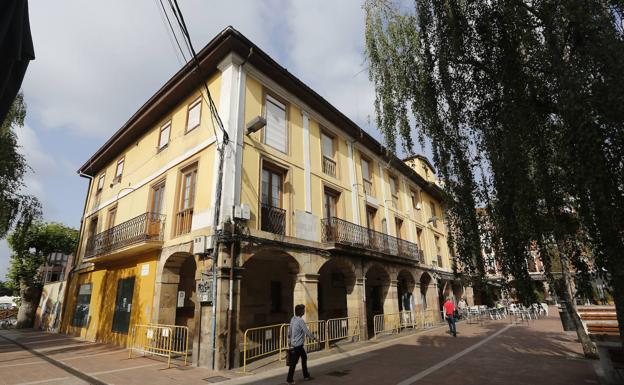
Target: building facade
{"type": "Point", "coordinates": [311, 209]}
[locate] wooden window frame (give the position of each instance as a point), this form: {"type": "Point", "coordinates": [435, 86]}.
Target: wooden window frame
{"type": "Point", "coordinates": [395, 195]}
{"type": "Point", "coordinates": [112, 214]}
{"type": "Point", "coordinates": [183, 172]}
{"type": "Point", "coordinates": [273, 168]}
{"type": "Point", "coordinates": [327, 190]}
{"type": "Point", "coordinates": [195, 102]}
{"type": "Point", "coordinates": [161, 129]}
{"type": "Point", "coordinates": [373, 210]}
{"type": "Point", "coordinates": [155, 186]}
{"type": "Point", "coordinates": [370, 174]}
{"type": "Point", "coordinates": [398, 229]}
{"type": "Point", "coordinates": [414, 198]}
{"type": "Point", "coordinates": [268, 94]}
{"type": "Point", "coordinates": [118, 176]}
{"type": "Point", "coordinates": [334, 157]}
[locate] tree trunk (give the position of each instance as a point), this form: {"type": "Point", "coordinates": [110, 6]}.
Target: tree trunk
{"type": "Point", "coordinates": [29, 294]}
{"type": "Point", "coordinates": [617, 283]}
{"type": "Point", "coordinates": [589, 348]}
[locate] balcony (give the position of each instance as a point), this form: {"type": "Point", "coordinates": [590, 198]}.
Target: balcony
{"type": "Point", "coordinates": [272, 219]}
{"type": "Point", "coordinates": [184, 221]}
{"type": "Point", "coordinates": [339, 231]}
{"type": "Point", "coordinates": [145, 232]}
{"type": "Point", "coordinates": [329, 166]}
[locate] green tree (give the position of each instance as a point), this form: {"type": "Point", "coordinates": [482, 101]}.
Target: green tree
{"type": "Point", "coordinates": [5, 289]}
{"type": "Point", "coordinates": [522, 104]}
{"type": "Point", "coordinates": [15, 207]}
{"type": "Point", "coordinates": [30, 245]}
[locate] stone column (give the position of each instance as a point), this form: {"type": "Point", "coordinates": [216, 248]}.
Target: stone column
{"type": "Point", "coordinates": [306, 292]}
{"type": "Point", "coordinates": [356, 306]}
{"type": "Point", "coordinates": [391, 302]}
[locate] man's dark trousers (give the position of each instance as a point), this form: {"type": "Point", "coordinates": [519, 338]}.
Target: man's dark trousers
{"type": "Point", "coordinates": [299, 352]}
{"type": "Point", "coordinates": [451, 321]}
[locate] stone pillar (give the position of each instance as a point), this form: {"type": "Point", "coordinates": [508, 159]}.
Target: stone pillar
{"type": "Point", "coordinates": [356, 306]}
{"type": "Point", "coordinates": [306, 292]}
{"type": "Point", "coordinates": [391, 302]}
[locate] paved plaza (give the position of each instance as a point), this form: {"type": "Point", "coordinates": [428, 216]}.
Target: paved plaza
{"type": "Point", "coordinates": [493, 352]}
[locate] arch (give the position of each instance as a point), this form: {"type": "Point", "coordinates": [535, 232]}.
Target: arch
{"type": "Point", "coordinates": [267, 286]}
{"type": "Point", "coordinates": [336, 282]}
{"type": "Point", "coordinates": [424, 281]}
{"type": "Point", "coordinates": [458, 290]}
{"type": "Point", "coordinates": [405, 288]}
{"type": "Point", "coordinates": [377, 287]}
{"type": "Point", "coordinates": [177, 291]}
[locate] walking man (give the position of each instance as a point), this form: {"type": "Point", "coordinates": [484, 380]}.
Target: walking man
{"type": "Point", "coordinates": [296, 336]}
{"type": "Point", "coordinates": [449, 313]}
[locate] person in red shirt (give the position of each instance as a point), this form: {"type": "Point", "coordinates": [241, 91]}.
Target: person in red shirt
{"type": "Point", "coordinates": [449, 314]}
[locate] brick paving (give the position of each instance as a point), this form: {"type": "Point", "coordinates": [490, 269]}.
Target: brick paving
{"type": "Point", "coordinates": [489, 353]}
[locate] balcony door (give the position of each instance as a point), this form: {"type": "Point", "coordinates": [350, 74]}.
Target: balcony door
{"type": "Point", "coordinates": [273, 216]}
{"type": "Point", "coordinates": [184, 216]}
{"type": "Point", "coordinates": [330, 203]}
{"type": "Point", "coordinates": [156, 210]}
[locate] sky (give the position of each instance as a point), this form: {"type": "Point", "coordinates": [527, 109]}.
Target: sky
{"type": "Point", "coordinates": [98, 62]}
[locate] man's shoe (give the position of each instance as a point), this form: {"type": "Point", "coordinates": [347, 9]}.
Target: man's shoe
{"type": "Point", "coordinates": [309, 378]}
{"type": "Point", "coordinates": [454, 334]}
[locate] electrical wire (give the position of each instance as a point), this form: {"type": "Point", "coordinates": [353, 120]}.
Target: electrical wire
{"type": "Point", "coordinates": [165, 19]}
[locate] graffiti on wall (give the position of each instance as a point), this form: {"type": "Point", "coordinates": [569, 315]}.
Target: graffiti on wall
{"type": "Point", "coordinates": [48, 315]}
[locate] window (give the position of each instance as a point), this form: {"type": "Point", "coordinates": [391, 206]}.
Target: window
{"type": "Point", "coordinates": [193, 115]}
{"type": "Point", "coordinates": [366, 177]}
{"type": "Point", "coordinates": [271, 187]}
{"type": "Point", "coordinates": [434, 215]}
{"type": "Point", "coordinates": [328, 151]}
{"type": "Point", "coordinates": [272, 215]}
{"type": "Point", "coordinates": [394, 189]}
{"type": "Point", "coordinates": [184, 215]}
{"type": "Point", "coordinates": [330, 200]}
{"type": "Point", "coordinates": [438, 250]}
{"type": "Point", "coordinates": [163, 137]}
{"type": "Point", "coordinates": [93, 226]}
{"type": "Point", "coordinates": [414, 197]}
{"type": "Point", "coordinates": [119, 170]}
{"type": "Point", "coordinates": [112, 214]}
{"type": "Point", "coordinates": [275, 134]}
{"type": "Point", "coordinates": [276, 296]}
{"type": "Point", "coordinates": [81, 311]}
{"type": "Point", "coordinates": [398, 223]}
{"type": "Point", "coordinates": [100, 185]}
{"type": "Point", "coordinates": [370, 217]}
{"type": "Point", "coordinates": [158, 194]}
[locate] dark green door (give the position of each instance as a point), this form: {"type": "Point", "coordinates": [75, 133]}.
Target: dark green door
{"type": "Point", "coordinates": [123, 305]}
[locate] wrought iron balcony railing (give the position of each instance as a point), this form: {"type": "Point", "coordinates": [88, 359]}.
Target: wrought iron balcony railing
{"type": "Point", "coordinates": [148, 226]}
{"type": "Point", "coordinates": [329, 166]}
{"type": "Point", "coordinates": [272, 219]}
{"type": "Point", "coordinates": [343, 232]}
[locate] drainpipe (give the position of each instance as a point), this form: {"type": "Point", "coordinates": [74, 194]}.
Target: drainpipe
{"type": "Point", "coordinates": [230, 299]}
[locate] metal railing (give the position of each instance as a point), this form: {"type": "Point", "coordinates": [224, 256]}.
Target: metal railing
{"type": "Point", "coordinates": [386, 323]}
{"type": "Point", "coordinates": [347, 233]}
{"type": "Point", "coordinates": [156, 340]}
{"type": "Point", "coordinates": [368, 187]}
{"type": "Point", "coordinates": [260, 342]}
{"type": "Point", "coordinates": [329, 166]}
{"type": "Point", "coordinates": [184, 221]}
{"type": "Point", "coordinates": [272, 219]}
{"type": "Point", "coordinates": [342, 328]}
{"type": "Point", "coordinates": [263, 341]}
{"type": "Point", "coordinates": [148, 226]}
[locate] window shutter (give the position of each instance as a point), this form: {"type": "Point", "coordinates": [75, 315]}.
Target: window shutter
{"type": "Point", "coordinates": [194, 114]}
{"type": "Point", "coordinates": [275, 135]}
{"type": "Point", "coordinates": [365, 171]}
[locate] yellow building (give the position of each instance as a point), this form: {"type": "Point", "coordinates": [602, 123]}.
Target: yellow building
{"type": "Point", "coordinates": [312, 210]}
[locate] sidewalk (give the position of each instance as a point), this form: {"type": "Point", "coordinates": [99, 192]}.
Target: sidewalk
{"type": "Point", "coordinates": [494, 352]}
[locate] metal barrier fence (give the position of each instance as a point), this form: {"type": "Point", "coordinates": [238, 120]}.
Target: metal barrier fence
{"type": "Point", "coordinates": [342, 328]}
{"type": "Point", "coordinates": [179, 340]}
{"type": "Point", "coordinates": [261, 341]}
{"type": "Point", "coordinates": [316, 327]}
{"type": "Point", "coordinates": [153, 340]}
